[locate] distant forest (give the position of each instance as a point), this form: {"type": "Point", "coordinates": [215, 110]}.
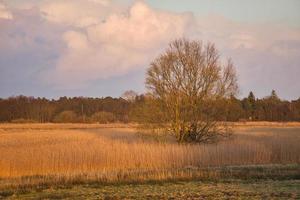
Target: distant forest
{"type": "Point", "coordinates": [22, 109]}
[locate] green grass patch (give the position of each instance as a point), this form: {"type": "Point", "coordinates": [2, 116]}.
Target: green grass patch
{"type": "Point", "coordinates": [234, 189]}
{"type": "Point", "coordinates": [242, 182]}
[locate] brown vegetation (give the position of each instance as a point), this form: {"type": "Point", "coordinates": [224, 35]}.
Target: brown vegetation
{"type": "Point", "coordinates": [114, 154]}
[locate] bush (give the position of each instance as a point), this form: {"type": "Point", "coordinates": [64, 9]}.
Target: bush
{"type": "Point", "coordinates": [103, 117]}
{"type": "Point", "coordinates": [66, 117]}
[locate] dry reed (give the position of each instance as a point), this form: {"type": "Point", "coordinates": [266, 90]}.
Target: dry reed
{"type": "Point", "coordinates": [113, 152]}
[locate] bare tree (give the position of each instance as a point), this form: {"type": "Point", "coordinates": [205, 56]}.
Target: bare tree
{"type": "Point", "coordinates": [129, 95]}
{"type": "Point", "coordinates": [190, 84]}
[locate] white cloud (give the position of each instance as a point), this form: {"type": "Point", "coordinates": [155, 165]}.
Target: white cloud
{"type": "Point", "coordinates": [4, 12]}
{"type": "Point", "coordinates": [88, 40]}
{"type": "Point", "coordinates": [80, 13]}
{"type": "Point", "coordinates": [266, 55]}
{"type": "Point", "coordinates": [118, 45]}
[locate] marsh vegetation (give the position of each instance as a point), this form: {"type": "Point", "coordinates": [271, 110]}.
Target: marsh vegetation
{"type": "Point", "coordinates": [35, 155]}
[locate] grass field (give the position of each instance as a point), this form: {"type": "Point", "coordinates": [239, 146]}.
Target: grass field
{"type": "Point", "coordinates": [235, 189]}
{"type": "Point", "coordinates": [90, 161]}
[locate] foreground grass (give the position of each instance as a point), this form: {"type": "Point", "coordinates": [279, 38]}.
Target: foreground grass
{"type": "Point", "coordinates": [230, 189]}
{"type": "Point", "coordinates": [236, 182]}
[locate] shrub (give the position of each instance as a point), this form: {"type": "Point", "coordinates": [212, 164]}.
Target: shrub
{"type": "Point", "coordinates": [66, 117]}
{"type": "Point", "coordinates": [103, 117]}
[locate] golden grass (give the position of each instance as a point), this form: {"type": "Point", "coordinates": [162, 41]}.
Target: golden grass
{"type": "Point", "coordinates": [252, 124]}
{"type": "Point", "coordinates": [55, 126]}
{"type": "Point", "coordinates": [110, 154]}
{"type": "Point", "coordinates": [5, 126]}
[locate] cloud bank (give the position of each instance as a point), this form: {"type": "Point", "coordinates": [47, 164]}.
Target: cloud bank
{"type": "Point", "coordinates": [4, 12]}
{"type": "Point", "coordinates": [117, 45]}
{"type": "Point", "coordinates": [72, 44]}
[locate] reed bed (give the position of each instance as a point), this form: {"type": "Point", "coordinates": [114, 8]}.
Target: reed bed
{"type": "Point", "coordinates": [120, 153]}
{"type": "Point", "coordinates": [55, 126]}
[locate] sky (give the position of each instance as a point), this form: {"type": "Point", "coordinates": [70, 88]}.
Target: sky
{"type": "Point", "coordinates": [95, 48]}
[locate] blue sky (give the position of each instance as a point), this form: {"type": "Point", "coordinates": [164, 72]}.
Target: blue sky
{"type": "Point", "coordinates": [55, 48]}
{"type": "Point", "coordinates": [256, 11]}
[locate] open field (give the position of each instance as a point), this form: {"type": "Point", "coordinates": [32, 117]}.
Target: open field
{"type": "Point", "coordinates": [234, 189]}
{"type": "Point", "coordinates": [35, 157]}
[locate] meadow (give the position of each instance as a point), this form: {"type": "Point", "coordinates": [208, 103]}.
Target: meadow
{"type": "Point", "coordinates": [36, 156]}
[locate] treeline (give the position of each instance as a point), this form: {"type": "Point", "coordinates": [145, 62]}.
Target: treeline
{"type": "Point", "coordinates": [108, 110]}
{"type": "Point", "coordinates": [68, 110]}
{"type": "Point", "coordinates": [270, 108]}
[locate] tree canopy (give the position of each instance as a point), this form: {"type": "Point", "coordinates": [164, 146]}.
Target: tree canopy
{"type": "Point", "coordinates": [189, 83]}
